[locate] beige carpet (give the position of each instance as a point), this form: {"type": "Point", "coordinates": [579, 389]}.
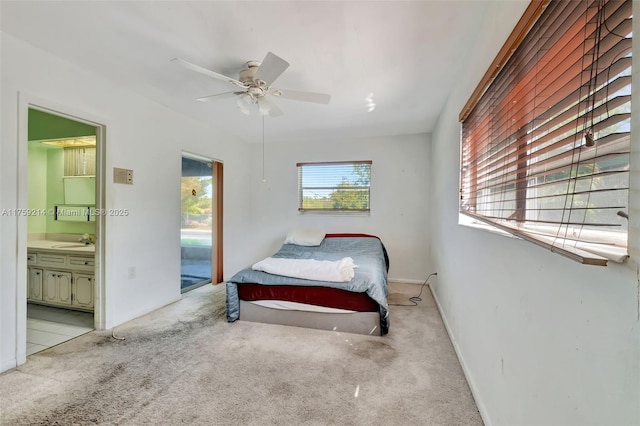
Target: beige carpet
{"type": "Point", "coordinates": [184, 364]}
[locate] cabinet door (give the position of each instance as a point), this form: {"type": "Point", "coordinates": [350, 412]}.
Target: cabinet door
{"type": "Point", "coordinates": [83, 290]}
{"type": "Point", "coordinates": [64, 287]}
{"type": "Point", "coordinates": [34, 277]}
{"type": "Point", "coordinates": [50, 286]}
{"type": "Point", "coordinates": [56, 287]}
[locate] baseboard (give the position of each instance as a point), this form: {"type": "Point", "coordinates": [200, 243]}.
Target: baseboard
{"type": "Point", "coordinates": [465, 369]}
{"type": "Point", "coordinates": [8, 365]}
{"type": "Point", "coordinates": [137, 314]}
{"type": "Point", "coordinates": [404, 281]}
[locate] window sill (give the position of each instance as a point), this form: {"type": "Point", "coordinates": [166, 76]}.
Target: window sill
{"type": "Point", "coordinates": [333, 213]}
{"type": "Point", "coordinates": [465, 220]}
{"type": "Point", "coordinates": [585, 253]}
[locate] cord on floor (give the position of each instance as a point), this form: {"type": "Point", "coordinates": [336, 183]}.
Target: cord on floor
{"type": "Point", "coordinates": [113, 334]}
{"type": "Point", "coordinates": [415, 299]}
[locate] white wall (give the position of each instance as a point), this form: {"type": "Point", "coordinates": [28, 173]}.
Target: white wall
{"type": "Point", "coordinates": [400, 199]}
{"type": "Point", "coordinates": [543, 339]}
{"type": "Point", "coordinates": [141, 135]}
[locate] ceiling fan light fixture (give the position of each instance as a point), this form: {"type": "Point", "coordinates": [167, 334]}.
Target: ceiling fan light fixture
{"type": "Point", "coordinates": [244, 103]}
{"type": "Point", "coordinates": [243, 109]}
{"type": "Point", "coordinates": [264, 106]}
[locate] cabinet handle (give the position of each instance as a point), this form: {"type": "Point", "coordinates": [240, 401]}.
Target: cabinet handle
{"type": "Point", "coordinates": [86, 263]}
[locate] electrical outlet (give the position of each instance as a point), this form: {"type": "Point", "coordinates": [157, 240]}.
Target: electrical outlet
{"type": "Point", "coordinates": [132, 272]}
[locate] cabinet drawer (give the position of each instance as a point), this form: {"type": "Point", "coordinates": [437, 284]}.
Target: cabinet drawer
{"type": "Point", "coordinates": [52, 259]}
{"type": "Point", "coordinates": [32, 258]}
{"type": "Point", "coordinates": [81, 262]}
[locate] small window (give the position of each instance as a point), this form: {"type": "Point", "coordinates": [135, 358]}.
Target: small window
{"type": "Point", "coordinates": [334, 187]}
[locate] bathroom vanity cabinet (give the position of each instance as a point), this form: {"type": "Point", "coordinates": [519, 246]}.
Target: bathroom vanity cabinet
{"type": "Point", "coordinates": [61, 278]}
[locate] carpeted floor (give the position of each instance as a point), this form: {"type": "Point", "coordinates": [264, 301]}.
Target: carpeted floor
{"type": "Point", "coordinates": [184, 364]}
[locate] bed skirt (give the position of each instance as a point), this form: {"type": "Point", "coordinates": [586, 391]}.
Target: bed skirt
{"type": "Point", "coordinates": [355, 322]}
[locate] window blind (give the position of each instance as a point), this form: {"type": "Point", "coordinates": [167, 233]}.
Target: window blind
{"type": "Point", "coordinates": [545, 150]}
{"type": "Point", "coordinates": [334, 186]}
{"type": "Point", "coordinates": [80, 161]}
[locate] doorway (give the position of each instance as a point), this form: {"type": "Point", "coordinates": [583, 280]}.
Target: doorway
{"type": "Point", "coordinates": [61, 186]}
{"type": "Point", "coordinates": [201, 222]}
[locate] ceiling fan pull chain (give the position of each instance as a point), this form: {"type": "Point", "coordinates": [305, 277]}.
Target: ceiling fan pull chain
{"type": "Point", "coordinates": [263, 178]}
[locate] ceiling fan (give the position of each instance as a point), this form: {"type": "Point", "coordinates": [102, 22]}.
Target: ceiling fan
{"type": "Point", "coordinates": [255, 80]}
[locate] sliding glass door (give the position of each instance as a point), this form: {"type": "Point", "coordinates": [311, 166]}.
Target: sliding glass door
{"type": "Point", "coordinates": [197, 222]}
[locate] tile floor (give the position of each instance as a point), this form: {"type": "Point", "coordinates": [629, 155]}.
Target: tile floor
{"type": "Point", "coordinates": [48, 326]}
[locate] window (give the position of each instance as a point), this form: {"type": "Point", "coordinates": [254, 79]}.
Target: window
{"type": "Point", "coordinates": [335, 187]}
{"type": "Point", "coordinates": [545, 148]}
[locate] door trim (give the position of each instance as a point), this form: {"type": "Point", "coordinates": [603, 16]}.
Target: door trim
{"type": "Point", "coordinates": [216, 254]}
{"type": "Point", "coordinates": [28, 101]}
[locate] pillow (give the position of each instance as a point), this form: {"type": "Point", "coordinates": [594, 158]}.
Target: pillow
{"type": "Point", "coordinates": [305, 237]}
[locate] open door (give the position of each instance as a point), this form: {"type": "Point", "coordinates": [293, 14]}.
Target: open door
{"type": "Point", "coordinates": [201, 222]}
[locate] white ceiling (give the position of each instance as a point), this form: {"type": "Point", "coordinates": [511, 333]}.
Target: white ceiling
{"type": "Point", "coordinates": [407, 53]}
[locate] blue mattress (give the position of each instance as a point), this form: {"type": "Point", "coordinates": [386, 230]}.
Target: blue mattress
{"type": "Point", "coordinates": [367, 252]}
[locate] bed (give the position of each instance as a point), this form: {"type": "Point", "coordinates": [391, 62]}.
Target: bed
{"type": "Point", "coordinates": [355, 306]}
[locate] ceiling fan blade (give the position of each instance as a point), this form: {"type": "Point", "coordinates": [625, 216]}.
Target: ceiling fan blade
{"type": "Point", "coordinates": [319, 98]}
{"type": "Point", "coordinates": [205, 71]}
{"type": "Point", "coordinates": [271, 68]}
{"type": "Point", "coordinates": [268, 107]}
{"type": "Point", "coordinates": [218, 96]}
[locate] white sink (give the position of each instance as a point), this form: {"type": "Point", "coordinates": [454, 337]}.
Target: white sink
{"type": "Point", "coordinates": [73, 246]}
{"type": "Point", "coordinates": [70, 245]}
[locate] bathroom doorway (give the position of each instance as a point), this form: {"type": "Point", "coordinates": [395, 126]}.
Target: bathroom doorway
{"type": "Point", "coordinates": [61, 231]}
{"type": "Point", "coordinates": [201, 222]}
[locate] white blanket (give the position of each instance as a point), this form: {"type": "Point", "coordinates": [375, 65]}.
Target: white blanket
{"type": "Point", "coordinates": [309, 269]}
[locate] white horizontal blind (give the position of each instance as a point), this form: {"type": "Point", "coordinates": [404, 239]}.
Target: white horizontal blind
{"type": "Point", "coordinates": [334, 186]}
{"type": "Point", "coordinates": [545, 151]}
{"type": "Point", "coordinates": [80, 161]}
{"type": "Point", "coordinates": [634, 162]}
